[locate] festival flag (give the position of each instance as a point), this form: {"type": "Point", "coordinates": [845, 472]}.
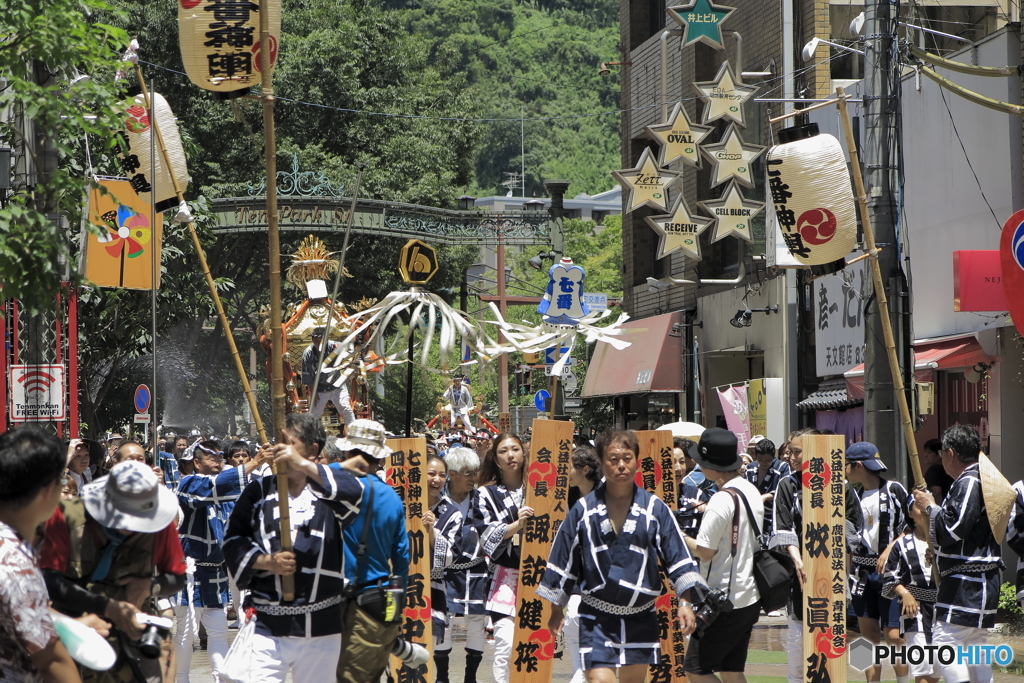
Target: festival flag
{"type": "Point", "coordinates": [122, 255]}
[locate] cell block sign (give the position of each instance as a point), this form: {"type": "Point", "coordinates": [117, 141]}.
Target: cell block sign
{"type": "Point", "coordinates": [547, 492]}
{"type": "Point", "coordinates": [405, 475]}
{"type": "Point", "coordinates": [656, 475]}
{"type": "Point", "coordinates": [824, 555]}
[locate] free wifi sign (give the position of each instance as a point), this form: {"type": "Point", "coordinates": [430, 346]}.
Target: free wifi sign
{"type": "Point", "coordinates": [37, 393]}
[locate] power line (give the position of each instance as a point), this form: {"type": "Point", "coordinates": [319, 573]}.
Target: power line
{"type": "Point", "coordinates": [942, 92]}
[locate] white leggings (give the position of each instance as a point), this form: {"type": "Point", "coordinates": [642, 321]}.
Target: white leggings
{"type": "Point", "coordinates": [571, 629]}
{"type": "Point", "coordinates": [944, 633]}
{"type": "Point", "coordinates": [795, 656]}
{"type": "Point", "coordinates": [216, 622]}
{"type": "Point", "coordinates": [504, 632]}
{"type": "Point", "coordinates": [475, 636]}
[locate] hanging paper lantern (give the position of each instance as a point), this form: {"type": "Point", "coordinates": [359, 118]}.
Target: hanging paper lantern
{"type": "Point", "coordinates": [220, 43]}
{"type": "Point", "coordinates": [809, 185]}
{"type": "Point", "coordinates": [136, 165]}
{"type": "Point", "coordinates": [1011, 256]}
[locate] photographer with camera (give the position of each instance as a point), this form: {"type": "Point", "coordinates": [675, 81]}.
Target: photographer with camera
{"type": "Point", "coordinates": [725, 545]}
{"type": "Point", "coordinates": [609, 548]}
{"type": "Point", "coordinates": [114, 551]}
{"type": "Point", "coordinates": [376, 559]}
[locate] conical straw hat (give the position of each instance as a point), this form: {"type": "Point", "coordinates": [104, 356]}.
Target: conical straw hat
{"type": "Point", "coordinates": [998, 495]}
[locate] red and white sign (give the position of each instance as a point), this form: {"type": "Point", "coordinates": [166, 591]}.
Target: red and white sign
{"type": "Point", "coordinates": [978, 281]}
{"type": "Point", "coordinates": [1011, 253]}
{"type": "Point", "coordinates": [37, 393]}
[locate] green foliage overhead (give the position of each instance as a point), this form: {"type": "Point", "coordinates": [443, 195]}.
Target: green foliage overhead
{"type": "Point", "coordinates": [41, 45]}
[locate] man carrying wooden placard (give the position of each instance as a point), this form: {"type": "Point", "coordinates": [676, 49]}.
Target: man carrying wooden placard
{"type": "Point", "coordinates": [623, 531]}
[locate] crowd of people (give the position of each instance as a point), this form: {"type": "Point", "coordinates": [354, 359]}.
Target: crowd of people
{"type": "Point", "coordinates": [156, 549]}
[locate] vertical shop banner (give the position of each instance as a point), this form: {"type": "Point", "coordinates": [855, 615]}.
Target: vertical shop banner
{"type": "Point", "coordinates": [656, 475]}
{"type": "Point", "coordinates": [121, 255]}
{"type": "Point", "coordinates": [757, 406]}
{"type": "Point", "coordinates": [547, 492]}
{"type": "Point", "coordinates": [737, 415]}
{"type": "Point", "coordinates": [405, 475]}
{"type": "Point", "coordinates": [824, 556]}
{"type": "Point", "coordinates": [838, 314]}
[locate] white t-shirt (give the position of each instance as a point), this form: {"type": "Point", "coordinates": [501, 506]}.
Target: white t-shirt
{"type": "Point", "coordinates": [869, 506]}
{"type": "Point", "coordinates": [716, 533]}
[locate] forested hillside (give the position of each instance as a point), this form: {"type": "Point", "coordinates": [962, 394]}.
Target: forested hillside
{"type": "Point", "coordinates": [349, 69]}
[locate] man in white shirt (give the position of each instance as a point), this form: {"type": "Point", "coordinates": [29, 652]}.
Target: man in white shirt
{"type": "Point", "coordinates": [724, 567]}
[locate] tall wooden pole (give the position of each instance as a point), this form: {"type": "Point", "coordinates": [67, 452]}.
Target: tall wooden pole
{"type": "Point", "coordinates": [879, 285]}
{"type": "Point", "coordinates": [221, 315]}
{"type": "Point", "coordinates": [274, 240]}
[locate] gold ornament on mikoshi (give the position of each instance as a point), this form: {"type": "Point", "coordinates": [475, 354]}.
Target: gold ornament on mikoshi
{"type": "Point", "coordinates": [220, 42]}
{"type": "Point", "coordinates": [136, 165]}
{"type": "Point", "coordinates": [809, 185]}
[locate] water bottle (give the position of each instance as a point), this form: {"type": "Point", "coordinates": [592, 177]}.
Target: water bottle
{"type": "Point", "coordinates": [392, 598]}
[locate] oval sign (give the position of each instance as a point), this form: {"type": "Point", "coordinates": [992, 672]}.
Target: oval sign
{"type": "Point", "coordinates": [1011, 258]}
{"type": "Point", "coordinates": [142, 398]}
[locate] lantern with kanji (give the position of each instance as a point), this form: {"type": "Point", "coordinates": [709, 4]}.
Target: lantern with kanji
{"type": "Point", "coordinates": [809, 184]}
{"type": "Point", "coordinates": [220, 43]}
{"type": "Point", "coordinates": [136, 164]}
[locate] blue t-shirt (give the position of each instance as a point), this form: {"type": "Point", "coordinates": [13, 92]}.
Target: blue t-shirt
{"type": "Point", "coordinates": [387, 543]}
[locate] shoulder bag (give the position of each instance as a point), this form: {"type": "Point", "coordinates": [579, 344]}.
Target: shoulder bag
{"type": "Point", "coordinates": [773, 569]}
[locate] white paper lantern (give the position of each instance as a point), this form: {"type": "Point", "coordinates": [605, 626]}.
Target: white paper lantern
{"type": "Point", "coordinates": [809, 186]}
{"type": "Point", "coordinates": [220, 42]}
{"type": "Point", "coordinates": [136, 164]}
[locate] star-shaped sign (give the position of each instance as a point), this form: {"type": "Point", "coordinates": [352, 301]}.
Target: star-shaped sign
{"type": "Point", "coordinates": [724, 97]}
{"type": "Point", "coordinates": [701, 21]}
{"type": "Point", "coordinates": [679, 230]}
{"type": "Point", "coordinates": [646, 184]}
{"type": "Point", "coordinates": [679, 139]}
{"type": "Point", "coordinates": [732, 158]}
{"type": "Point", "coordinates": [732, 214]}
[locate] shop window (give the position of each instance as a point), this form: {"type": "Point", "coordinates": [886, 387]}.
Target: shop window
{"type": "Point", "coordinates": [646, 18]}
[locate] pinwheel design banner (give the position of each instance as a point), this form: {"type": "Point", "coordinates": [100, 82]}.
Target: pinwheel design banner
{"type": "Point", "coordinates": [122, 256]}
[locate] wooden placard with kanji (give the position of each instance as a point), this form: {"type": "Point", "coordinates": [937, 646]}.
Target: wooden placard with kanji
{"type": "Point", "coordinates": [547, 492]}
{"type": "Point", "coordinates": [655, 474]}
{"type": "Point", "coordinates": [824, 555]}
{"type": "Point", "coordinates": [504, 422]}
{"type": "Point", "coordinates": [405, 469]}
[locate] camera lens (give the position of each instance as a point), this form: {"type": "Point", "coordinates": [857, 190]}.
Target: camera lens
{"type": "Point", "coordinates": [150, 642]}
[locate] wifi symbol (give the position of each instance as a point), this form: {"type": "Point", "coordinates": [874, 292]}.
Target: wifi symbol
{"type": "Point", "coordinates": [36, 381]}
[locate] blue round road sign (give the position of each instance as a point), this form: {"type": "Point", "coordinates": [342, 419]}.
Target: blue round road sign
{"type": "Point", "coordinates": [142, 398]}
{"type": "Point", "coordinates": [540, 398]}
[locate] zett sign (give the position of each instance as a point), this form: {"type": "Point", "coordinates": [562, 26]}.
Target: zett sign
{"type": "Point", "coordinates": [37, 393]}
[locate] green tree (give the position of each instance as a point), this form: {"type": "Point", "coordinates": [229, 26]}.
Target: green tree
{"type": "Point", "coordinates": [42, 47]}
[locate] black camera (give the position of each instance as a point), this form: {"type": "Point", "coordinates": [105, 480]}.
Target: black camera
{"type": "Point", "coordinates": [710, 609]}
{"type": "Point", "coordinates": [155, 629]}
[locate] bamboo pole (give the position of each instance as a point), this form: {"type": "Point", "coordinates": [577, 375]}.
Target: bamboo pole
{"type": "Point", "coordinates": [276, 333]}
{"type": "Point", "coordinates": [879, 285]}
{"type": "Point", "coordinates": [239, 367]}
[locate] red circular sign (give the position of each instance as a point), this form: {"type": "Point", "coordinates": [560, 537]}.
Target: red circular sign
{"type": "Point", "coordinates": [826, 474]}
{"type": "Point", "coordinates": [1011, 252]}
{"type": "Point", "coordinates": [258, 63]}
{"type": "Point", "coordinates": [190, 4]}
{"type": "Point", "coordinates": [540, 471]}
{"type": "Point", "coordinates": [817, 226]}
{"type": "Point", "coordinates": [546, 641]}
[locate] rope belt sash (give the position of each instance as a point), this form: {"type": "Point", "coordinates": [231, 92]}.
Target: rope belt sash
{"type": "Point", "coordinates": [295, 610]}
{"type": "Point", "coordinates": [619, 610]}
{"type": "Point", "coordinates": [923, 594]}
{"type": "Point", "coordinates": [209, 564]}
{"type": "Point", "coordinates": [465, 565]}
{"type": "Point", "coordinates": [866, 560]}
{"type": "Point", "coordinates": [972, 568]}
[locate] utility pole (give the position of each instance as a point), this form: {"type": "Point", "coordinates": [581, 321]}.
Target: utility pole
{"type": "Point", "coordinates": [881, 419]}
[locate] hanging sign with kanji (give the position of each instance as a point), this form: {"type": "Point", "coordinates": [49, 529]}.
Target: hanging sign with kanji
{"type": "Point", "coordinates": [562, 303]}
{"type": "Point", "coordinates": [656, 475]}
{"type": "Point", "coordinates": [152, 174]}
{"type": "Point", "coordinates": [547, 492]}
{"type": "Point", "coordinates": [220, 42]}
{"type": "Point", "coordinates": [405, 475]}
{"type": "Point", "coordinates": [121, 256]}
{"type": "Point", "coordinates": [824, 557]}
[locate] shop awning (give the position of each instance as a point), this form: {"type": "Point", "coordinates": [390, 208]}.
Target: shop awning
{"type": "Point", "coordinates": [929, 355]}
{"type": "Point", "coordinates": [653, 362]}
{"type": "Point", "coordinates": [831, 395]}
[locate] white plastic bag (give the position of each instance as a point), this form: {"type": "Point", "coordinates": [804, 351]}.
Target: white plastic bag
{"type": "Point", "coordinates": [238, 663]}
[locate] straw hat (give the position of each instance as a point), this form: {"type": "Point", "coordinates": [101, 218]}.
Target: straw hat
{"type": "Point", "coordinates": [998, 495]}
